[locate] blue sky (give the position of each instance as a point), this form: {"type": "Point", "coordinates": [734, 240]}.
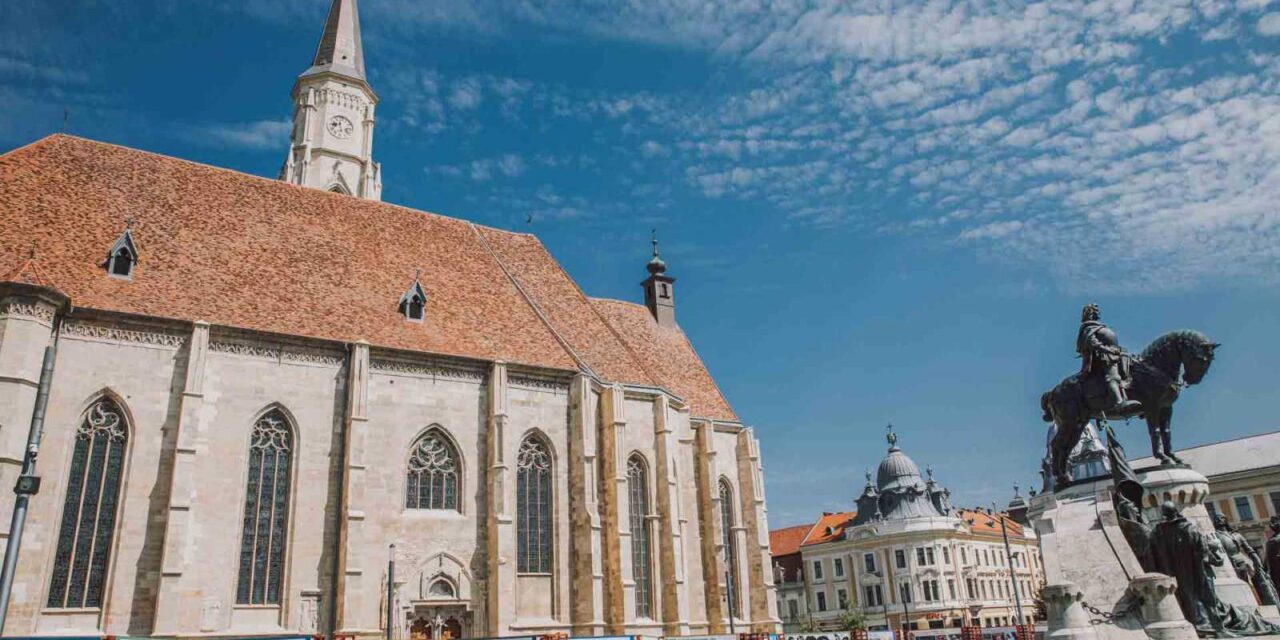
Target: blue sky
{"type": "Point", "coordinates": [877, 211]}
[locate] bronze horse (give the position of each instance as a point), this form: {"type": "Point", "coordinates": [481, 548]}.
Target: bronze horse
{"type": "Point", "coordinates": [1174, 360]}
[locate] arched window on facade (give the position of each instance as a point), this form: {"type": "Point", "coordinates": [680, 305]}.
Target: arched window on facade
{"type": "Point", "coordinates": [266, 510]}
{"type": "Point", "coordinates": [442, 589]}
{"type": "Point", "coordinates": [641, 567]}
{"type": "Point", "coordinates": [89, 509]}
{"type": "Point", "coordinates": [533, 506]}
{"type": "Point", "coordinates": [432, 478]}
{"type": "Point", "coordinates": [727, 541]}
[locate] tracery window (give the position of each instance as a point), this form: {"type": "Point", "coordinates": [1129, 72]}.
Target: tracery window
{"type": "Point", "coordinates": [266, 511]}
{"type": "Point", "coordinates": [727, 540]}
{"type": "Point", "coordinates": [638, 493]}
{"type": "Point", "coordinates": [89, 509]}
{"type": "Point", "coordinates": [432, 478]}
{"type": "Point", "coordinates": [533, 506]}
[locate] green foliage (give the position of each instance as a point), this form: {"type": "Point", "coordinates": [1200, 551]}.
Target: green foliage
{"type": "Point", "coordinates": [852, 620]}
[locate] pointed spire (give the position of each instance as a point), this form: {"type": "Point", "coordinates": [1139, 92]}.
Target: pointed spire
{"type": "Point", "coordinates": [340, 51]}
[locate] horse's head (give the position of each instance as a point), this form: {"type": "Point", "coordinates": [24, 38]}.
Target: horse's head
{"type": "Point", "coordinates": [1197, 354]}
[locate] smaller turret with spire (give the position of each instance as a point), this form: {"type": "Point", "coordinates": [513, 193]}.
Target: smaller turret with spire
{"type": "Point", "coordinates": [659, 288]}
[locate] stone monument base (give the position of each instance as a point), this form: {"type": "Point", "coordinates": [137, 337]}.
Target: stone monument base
{"type": "Point", "coordinates": [1089, 568]}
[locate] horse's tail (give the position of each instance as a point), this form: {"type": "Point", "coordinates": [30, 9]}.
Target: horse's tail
{"type": "Point", "coordinates": [1046, 400]}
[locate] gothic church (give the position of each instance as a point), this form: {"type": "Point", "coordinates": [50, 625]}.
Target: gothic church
{"type": "Point", "coordinates": [256, 394]}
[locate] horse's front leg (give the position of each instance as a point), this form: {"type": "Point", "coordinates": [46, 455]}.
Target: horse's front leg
{"type": "Point", "coordinates": [1166, 434]}
{"type": "Point", "coordinates": [1157, 440]}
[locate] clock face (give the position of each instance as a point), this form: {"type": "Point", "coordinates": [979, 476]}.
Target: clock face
{"type": "Point", "coordinates": [340, 127]}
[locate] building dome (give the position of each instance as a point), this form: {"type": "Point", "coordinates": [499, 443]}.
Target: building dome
{"type": "Point", "coordinates": [897, 471]}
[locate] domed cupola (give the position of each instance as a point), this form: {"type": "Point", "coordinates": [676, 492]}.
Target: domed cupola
{"type": "Point", "coordinates": [897, 471]}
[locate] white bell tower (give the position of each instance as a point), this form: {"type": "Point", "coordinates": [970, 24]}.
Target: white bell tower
{"type": "Point", "coordinates": [331, 144]}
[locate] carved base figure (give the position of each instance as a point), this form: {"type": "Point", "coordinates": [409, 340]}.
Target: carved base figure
{"type": "Point", "coordinates": [1245, 560]}
{"type": "Point", "coordinates": [1271, 552]}
{"type": "Point", "coordinates": [1181, 551]}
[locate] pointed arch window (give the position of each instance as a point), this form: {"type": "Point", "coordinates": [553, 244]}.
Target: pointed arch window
{"type": "Point", "coordinates": [89, 508]}
{"type": "Point", "coordinates": [641, 566]}
{"type": "Point", "coordinates": [432, 477]}
{"type": "Point", "coordinates": [533, 506]}
{"type": "Point", "coordinates": [266, 511]}
{"type": "Point", "coordinates": [727, 541]}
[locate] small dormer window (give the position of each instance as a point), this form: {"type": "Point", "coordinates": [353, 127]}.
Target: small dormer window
{"type": "Point", "coordinates": [123, 255]}
{"type": "Point", "coordinates": [413, 304]}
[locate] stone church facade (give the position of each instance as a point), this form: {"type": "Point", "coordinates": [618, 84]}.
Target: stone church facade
{"type": "Point", "coordinates": [250, 390]}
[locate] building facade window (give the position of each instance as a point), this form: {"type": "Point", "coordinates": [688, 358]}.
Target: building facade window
{"type": "Point", "coordinates": [266, 511]}
{"type": "Point", "coordinates": [533, 506]}
{"type": "Point", "coordinates": [1211, 508]}
{"type": "Point", "coordinates": [842, 597]}
{"type": "Point", "coordinates": [869, 562]}
{"type": "Point", "coordinates": [1243, 508]}
{"type": "Point", "coordinates": [1275, 503]}
{"type": "Point", "coordinates": [89, 509]}
{"type": "Point", "coordinates": [904, 592]}
{"type": "Point", "coordinates": [638, 501]}
{"type": "Point", "coordinates": [793, 610]}
{"type": "Point", "coordinates": [837, 567]}
{"type": "Point", "coordinates": [872, 596]}
{"type": "Point", "coordinates": [817, 569]}
{"type": "Point", "coordinates": [822, 601]}
{"type": "Point", "coordinates": [946, 555]}
{"type": "Point", "coordinates": [951, 589]}
{"type": "Point", "coordinates": [431, 481]}
{"type": "Point", "coordinates": [900, 558]}
{"type": "Point", "coordinates": [964, 555]}
{"type": "Point", "coordinates": [727, 539]}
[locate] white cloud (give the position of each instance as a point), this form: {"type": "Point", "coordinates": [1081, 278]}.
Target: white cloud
{"type": "Point", "coordinates": [1269, 25]}
{"type": "Point", "coordinates": [260, 135]}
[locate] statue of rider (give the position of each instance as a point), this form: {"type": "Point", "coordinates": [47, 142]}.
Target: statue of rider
{"type": "Point", "coordinates": [1103, 359]}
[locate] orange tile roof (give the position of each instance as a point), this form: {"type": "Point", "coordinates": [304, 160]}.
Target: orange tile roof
{"type": "Point", "coordinates": [985, 522]}
{"type": "Point", "coordinates": [786, 541]}
{"type": "Point", "coordinates": [667, 357]}
{"type": "Point", "coordinates": [243, 251]}
{"type": "Point", "coordinates": [837, 522]}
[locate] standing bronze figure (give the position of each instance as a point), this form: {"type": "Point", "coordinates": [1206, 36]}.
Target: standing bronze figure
{"type": "Point", "coordinates": [1249, 567]}
{"type": "Point", "coordinates": [1154, 379]}
{"type": "Point", "coordinates": [1271, 551]}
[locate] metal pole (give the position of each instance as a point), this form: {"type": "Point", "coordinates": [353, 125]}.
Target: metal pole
{"type": "Point", "coordinates": [1013, 576]}
{"type": "Point", "coordinates": [728, 579]}
{"type": "Point", "coordinates": [28, 482]}
{"type": "Point", "coordinates": [905, 592]}
{"type": "Point", "coordinates": [391, 587]}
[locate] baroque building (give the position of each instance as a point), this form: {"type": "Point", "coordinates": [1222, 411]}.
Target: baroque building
{"type": "Point", "coordinates": [907, 560]}
{"type": "Point", "coordinates": [251, 389]}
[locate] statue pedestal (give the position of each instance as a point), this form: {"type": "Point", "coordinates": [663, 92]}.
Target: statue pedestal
{"type": "Point", "coordinates": [1085, 553]}
{"type": "Point", "coordinates": [1188, 490]}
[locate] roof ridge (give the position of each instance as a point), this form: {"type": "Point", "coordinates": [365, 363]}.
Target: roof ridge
{"type": "Point", "coordinates": [524, 295]}
{"type": "Point", "coordinates": [48, 139]}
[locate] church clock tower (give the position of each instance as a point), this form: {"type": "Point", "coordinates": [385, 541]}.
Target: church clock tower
{"type": "Point", "coordinates": [331, 144]}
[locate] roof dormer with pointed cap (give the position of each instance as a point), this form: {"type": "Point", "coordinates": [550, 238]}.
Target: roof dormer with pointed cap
{"type": "Point", "coordinates": [332, 138]}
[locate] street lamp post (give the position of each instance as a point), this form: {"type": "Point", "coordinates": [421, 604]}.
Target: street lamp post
{"type": "Point", "coordinates": [1013, 575]}
{"type": "Point", "coordinates": [905, 593]}
{"type": "Point", "coordinates": [883, 603]}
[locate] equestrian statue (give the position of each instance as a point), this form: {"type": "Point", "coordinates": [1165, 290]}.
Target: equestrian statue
{"type": "Point", "coordinates": [1112, 383]}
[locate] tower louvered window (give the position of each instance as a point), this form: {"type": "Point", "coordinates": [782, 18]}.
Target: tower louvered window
{"type": "Point", "coordinates": [533, 507]}
{"type": "Point", "coordinates": [638, 493]}
{"type": "Point", "coordinates": [726, 539]}
{"type": "Point", "coordinates": [266, 511]}
{"type": "Point", "coordinates": [89, 509]}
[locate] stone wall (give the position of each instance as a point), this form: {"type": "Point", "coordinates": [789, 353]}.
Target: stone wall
{"type": "Point", "coordinates": [192, 394]}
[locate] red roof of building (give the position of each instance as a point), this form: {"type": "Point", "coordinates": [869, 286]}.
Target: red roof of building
{"type": "Point", "coordinates": [243, 251]}
{"type": "Point", "coordinates": [985, 522]}
{"type": "Point", "coordinates": [784, 542]}
{"type": "Point", "coordinates": [829, 527]}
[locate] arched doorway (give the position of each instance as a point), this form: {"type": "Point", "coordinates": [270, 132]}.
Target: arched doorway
{"type": "Point", "coordinates": [424, 628]}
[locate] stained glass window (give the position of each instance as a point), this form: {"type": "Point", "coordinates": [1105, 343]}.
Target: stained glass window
{"type": "Point", "coordinates": [533, 507]}
{"type": "Point", "coordinates": [266, 511]}
{"type": "Point", "coordinates": [726, 539]}
{"type": "Point", "coordinates": [432, 478]}
{"type": "Point", "coordinates": [89, 510]}
{"type": "Point", "coordinates": [638, 491]}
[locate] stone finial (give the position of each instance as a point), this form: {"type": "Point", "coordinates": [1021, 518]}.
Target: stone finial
{"type": "Point", "coordinates": [1162, 617]}
{"type": "Point", "coordinates": [1067, 618]}
{"type": "Point", "coordinates": [891, 436]}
